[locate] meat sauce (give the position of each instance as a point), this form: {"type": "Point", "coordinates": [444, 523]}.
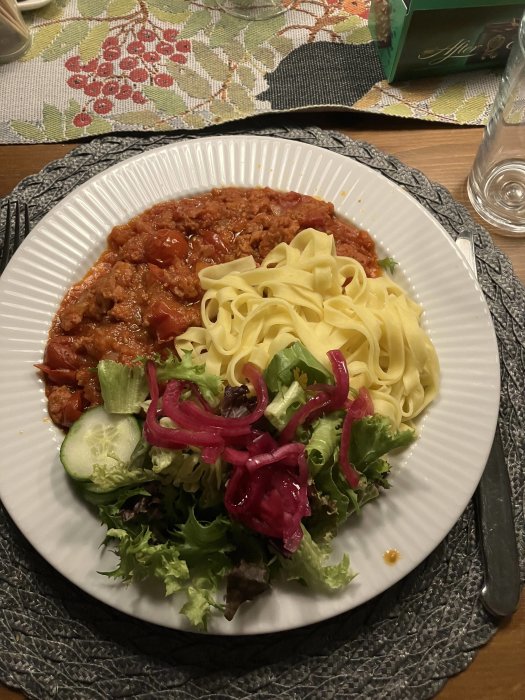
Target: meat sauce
{"type": "Point", "coordinates": [144, 289]}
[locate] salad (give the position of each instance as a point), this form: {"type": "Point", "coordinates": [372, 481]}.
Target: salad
{"type": "Point", "coordinates": [219, 492]}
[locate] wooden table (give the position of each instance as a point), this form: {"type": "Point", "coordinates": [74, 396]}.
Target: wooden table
{"type": "Point", "coordinates": [445, 154]}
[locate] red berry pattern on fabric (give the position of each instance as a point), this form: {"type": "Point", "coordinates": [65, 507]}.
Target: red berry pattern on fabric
{"type": "Point", "coordinates": [138, 75]}
{"type": "Point", "coordinates": [136, 47]}
{"type": "Point", "coordinates": [125, 92]}
{"type": "Point", "coordinates": [163, 80]}
{"type": "Point", "coordinates": [164, 48]}
{"type": "Point", "coordinates": [110, 88]}
{"type": "Point", "coordinates": [134, 56]}
{"type": "Point", "coordinates": [77, 81]}
{"type": "Point", "coordinates": [103, 105]}
{"type": "Point", "coordinates": [73, 63]}
{"type": "Point", "coordinates": [105, 70]}
{"type": "Point", "coordinates": [170, 34]}
{"type": "Point", "coordinates": [93, 89]}
{"type": "Point", "coordinates": [138, 98]}
{"type": "Point", "coordinates": [146, 35]}
{"type": "Point", "coordinates": [111, 54]}
{"type": "Point", "coordinates": [82, 119]}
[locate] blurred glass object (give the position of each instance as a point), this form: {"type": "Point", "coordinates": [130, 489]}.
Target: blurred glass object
{"type": "Point", "coordinates": [496, 184]}
{"type": "Point", "coordinates": [14, 33]}
{"type": "Point", "coordinates": [253, 9]}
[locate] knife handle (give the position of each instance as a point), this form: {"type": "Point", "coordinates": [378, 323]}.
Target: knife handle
{"type": "Point", "coordinates": [501, 592]}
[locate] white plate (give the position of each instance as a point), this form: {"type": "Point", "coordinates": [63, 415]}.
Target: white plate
{"type": "Point", "coordinates": [432, 482]}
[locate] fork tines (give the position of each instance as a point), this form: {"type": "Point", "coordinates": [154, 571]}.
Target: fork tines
{"type": "Point", "coordinates": [11, 243]}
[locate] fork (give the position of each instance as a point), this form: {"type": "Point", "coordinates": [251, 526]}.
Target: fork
{"type": "Point", "coordinates": [8, 250]}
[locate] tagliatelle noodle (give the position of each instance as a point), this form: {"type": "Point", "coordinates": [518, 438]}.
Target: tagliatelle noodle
{"type": "Point", "coordinates": [304, 291]}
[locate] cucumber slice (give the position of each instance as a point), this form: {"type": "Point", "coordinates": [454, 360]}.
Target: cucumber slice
{"type": "Point", "coordinates": [98, 437]}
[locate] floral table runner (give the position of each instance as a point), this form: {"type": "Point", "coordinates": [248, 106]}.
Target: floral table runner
{"type": "Point", "coordinates": [99, 66]}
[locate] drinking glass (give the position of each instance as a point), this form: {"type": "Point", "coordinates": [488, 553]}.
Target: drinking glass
{"type": "Point", "coordinates": [14, 33]}
{"type": "Point", "coordinates": [253, 9]}
{"type": "Point", "coordinates": [496, 184]}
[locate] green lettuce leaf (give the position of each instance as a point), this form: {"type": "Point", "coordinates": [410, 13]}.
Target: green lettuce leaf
{"type": "Point", "coordinates": [285, 404]}
{"type": "Point", "coordinates": [123, 387]}
{"type": "Point", "coordinates": [142, 558]}
{"type": "Point", "coordinates": [115, 475]}
{"type": "Point", "coordinates": [200, 600]}
{"type": "Point", "coordinates": [308, 565]}
{"type": "Point", "coordinates": [331, 482]}
{"type": "Point", "coordinates": [193, 561]}
{"type": "Point", "coordinates": [209, 385]}
{"type": "Point", "coordinates": [204, 546]}
{"type": "Point", "coordinates": [388, 264]}
{"type": "Point", "coordinates": [291, 363]}
{"type": "Point", "coordinates": [111, 503]}
{"type": "Point", "coordinates": [372, 438]}
{"type": "Point", "coordinates": [185, 469]}
{"type": "Point", "coordinates": [167, 461]}
{"type": "Point", "coordinates": [323, 521]}
{"type": "Point", "coordinates": [323, 445]}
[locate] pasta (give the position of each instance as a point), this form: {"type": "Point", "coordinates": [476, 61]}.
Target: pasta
{"type": "Point", "coordinates": [304, 291]}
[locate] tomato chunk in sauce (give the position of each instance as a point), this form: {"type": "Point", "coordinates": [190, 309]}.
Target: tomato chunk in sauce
{"type": "Point", "coordinates": [144, 289]}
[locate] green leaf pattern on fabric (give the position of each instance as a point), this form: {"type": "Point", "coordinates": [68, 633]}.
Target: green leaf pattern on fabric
{"type": "Point", "coordinates": [170, 5]}
{"type": "Point", "coordinates": [68, 39]}
{"type": "Point", "coordinates": [449, 100]}
{"type": "Point", "coordinates": [72, 131]}
{"type": "Point", "coordinates": [166, 101]}
{"type": "Point", "coordinates": [98, 126]}
{"type": "Point", "coordinates": [90, 46]}
{"type": "Point", "coordinates": [216, 67]}
{"type": "Point", "coordinates": [246, 76]}
{"type": "Point", "coordinates": [264, 55]}
{"type": "Point", "coordinates": [53, 122]}
{"type": "Point", "coordinates": [193, 120]}
{"type": "Point", "coordinates": [41, 40]}
{"type": "Point", "coordinates": [169, 17]}
{"type": "Point", "coordinates": [226, 30]}
{"type": "Point", "coordinates": [161, 64]}
{"type": "Point", "coordinates": [192, 83]}
{"type": "Point", "coordinates": [147, 118]}
{"type": "Point", "coordinates": [241, 98]}
{"type": "Point", "coordinates": [234, 50]}
{"type": "Point", "coordinates": [443, 98]}
{"type": "Point", "coordinates": [121, 7]}
{"type": "Point", "coordinates": [223, 111]}
{"type": "Point", "coordinates": [197, 22]}
{"type": "Point", "coordinates": [53, 10]}
{"type": "Point", "coordinates": [259, 32]}
{"type": "Point", "coordinates": [28, 131]}
{"type": "Point", "coordinates": [91, 8]}
{"type": "Point", "coordinates": [398, 110]}
{"type": "Point", "coordinates": [472, 109]}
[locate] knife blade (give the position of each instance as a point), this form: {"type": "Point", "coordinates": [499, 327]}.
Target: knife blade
{"type": "Point", "coordinates": [493, 502]}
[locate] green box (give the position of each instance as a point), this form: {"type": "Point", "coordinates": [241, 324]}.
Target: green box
{"type": "Point", "coordinates": [419, 38]}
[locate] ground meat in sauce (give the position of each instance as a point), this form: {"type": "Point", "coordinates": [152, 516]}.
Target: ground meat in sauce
{"type": "Point", "coordinates": [144, 289]}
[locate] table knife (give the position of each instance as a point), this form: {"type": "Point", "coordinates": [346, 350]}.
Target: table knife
{"type": "Point", "coordinates": [501, 589]}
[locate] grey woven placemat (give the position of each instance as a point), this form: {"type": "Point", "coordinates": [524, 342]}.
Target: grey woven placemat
{"type": "Point", "coordinates": [56, 642]}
